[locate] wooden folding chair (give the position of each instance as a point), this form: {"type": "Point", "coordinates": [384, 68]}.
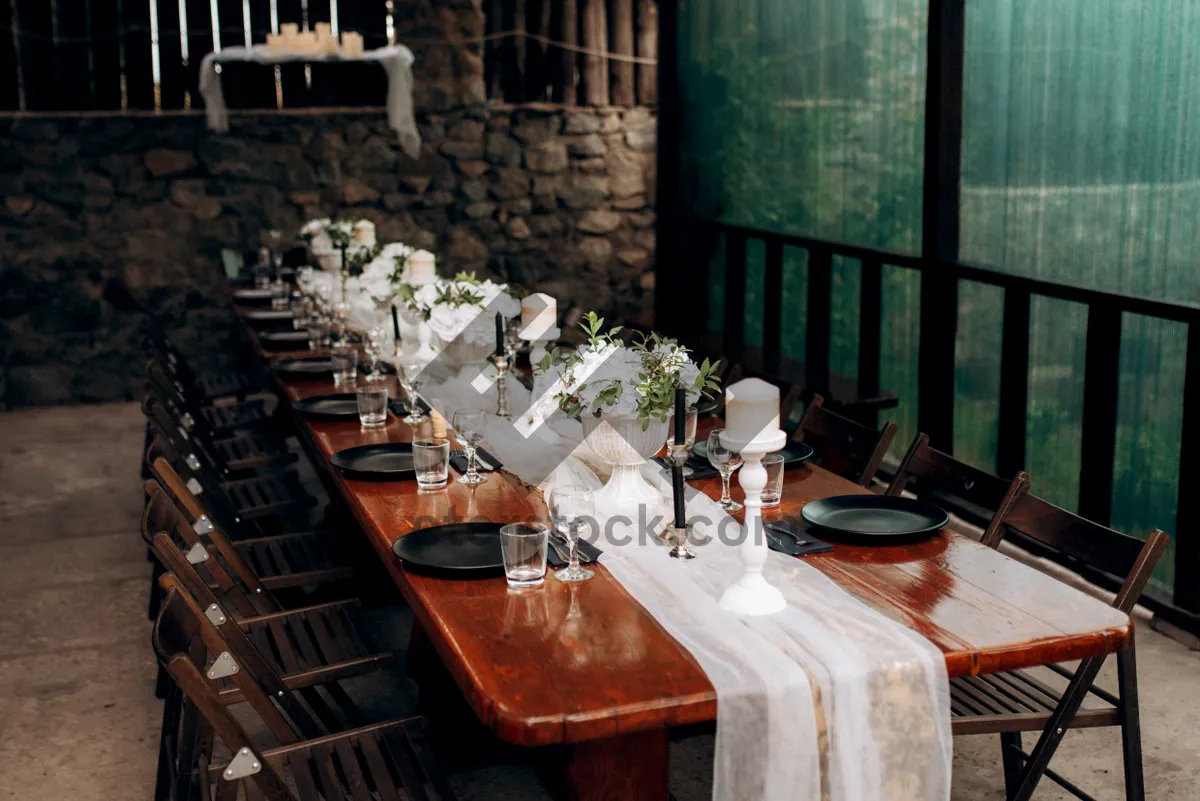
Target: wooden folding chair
{"type": "Point", "coordinates": [303, 760]}
{"type": "Point", "coordinates": [844, 446]}
{"type": "Point", "coordinates": [244, 451]}
{"type": "Point", "coordinates": [216, 386]}
{"type": "Point", "coordinates": [317, 640]}
{"type": "Point", "coordinates": [940, 478]}
{"type": "Point", "coordinates": [223, 418]}
{"type": "Point", "coordinates": [1018, 701]}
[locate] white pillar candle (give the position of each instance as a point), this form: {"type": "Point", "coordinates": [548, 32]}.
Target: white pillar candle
{"type": "Point", "coordinates": [364, 233]}
{"type": "Point", "coordinates": [421, 268]}
{"type": "Point", "coordinates": [352, 45]}
{"type": "Point", "coordinates": [751, 407]}
{"type": "Point", "coordinates": [539, 315]}
{"type": "Point", "coordinates": [289, 29]}
{"type": "Point", "coordinates": [323, 30]}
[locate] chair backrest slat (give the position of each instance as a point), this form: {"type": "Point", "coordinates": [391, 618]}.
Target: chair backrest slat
{"type": "Point", "coordinates": [1126, 558]}
{"type": "Point", "coordinates": [844, 446]}
{"type": "Point", "coordinates": [936, 475]}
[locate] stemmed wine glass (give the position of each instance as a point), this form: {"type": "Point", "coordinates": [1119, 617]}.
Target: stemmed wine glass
{"type": "Point", "coordinates": [378, 341]}
{"type": "Point", "coordinates": [726, 462]}
{"type": "Point", "coordinates": [570, 507]}
{"type": "Point", "coordinates": [409, 375]}
{"type": "Point", "coordinates": [470, 425]}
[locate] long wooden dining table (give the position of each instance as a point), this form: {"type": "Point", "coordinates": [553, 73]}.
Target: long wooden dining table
{"type": "Point", "coordinates": [586, 667]}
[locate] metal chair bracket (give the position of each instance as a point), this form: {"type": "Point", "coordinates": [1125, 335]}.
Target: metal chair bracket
{"type": "Point", "coordinates": [243, 764]}
{"type": "Point", "coordinates": [192, 461]}
{"type": "Point", "coordinates": [224, 665]}
{"type": "Point", "coordinates": [188, 421]}
{"type": "Point", "coordinates": [197, 554]}
{"type": "Point", "coordinates": [215, 615]}
{"type": "Point", "coordinates": [194, 486]}
{"type": "Point", "coordinates": [203, 525]}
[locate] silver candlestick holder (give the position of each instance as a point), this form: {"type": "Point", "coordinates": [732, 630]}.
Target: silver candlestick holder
{"type": "Point", "coordinates": [503, 363]}
{"type": "Point", "coordinates": [679, 538]}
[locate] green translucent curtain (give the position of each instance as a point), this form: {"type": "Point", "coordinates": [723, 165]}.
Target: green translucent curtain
{"type": "Point", "coordinates": [1081, 164]}
{"type": "Point", "coordinates": [806, 116]}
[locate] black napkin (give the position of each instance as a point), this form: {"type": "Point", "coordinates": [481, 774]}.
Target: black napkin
{"type": "Point", "coordinates": [797, 543]}
{"type": "Point", "coordinates": [459, 462]}
{"type": "Point", "coordinates": [384, 367]}
{"type": "Point", "coordinates": [588, 553]}
{"type": "Point", "coordinates": [400, 407]}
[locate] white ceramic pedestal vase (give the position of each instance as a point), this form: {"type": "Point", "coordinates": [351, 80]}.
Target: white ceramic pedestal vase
{"type": "Point", "coordinates": [415, 337]}
{"type": "Point", "coordinates": [623, 444]}
{"type": "Point", "coordinates": [329, 260]}
{"type": "Point", "coordinates": [752, 594]}
{"type": "Point", "coordinates": [460, 353]}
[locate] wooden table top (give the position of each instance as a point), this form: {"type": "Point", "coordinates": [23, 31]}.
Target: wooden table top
{"type": "Point", "coordinates": [573, 662]}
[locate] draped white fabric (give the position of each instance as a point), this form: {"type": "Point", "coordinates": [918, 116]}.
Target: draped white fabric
{"type": "Point", "coordinates": [396, 61]}
{"type": "Point", "coordinates": [828, 699]}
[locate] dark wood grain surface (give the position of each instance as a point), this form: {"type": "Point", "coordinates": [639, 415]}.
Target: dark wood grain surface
{"type": "Point", "coordinates": [570, 663]}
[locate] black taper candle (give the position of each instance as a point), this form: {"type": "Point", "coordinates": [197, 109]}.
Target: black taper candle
{"type": "Point", "coordinates": [500, 349]}
{"type": "Point", "coordinates": [680, 416]}
{"type": "Point", "coordinates": [678, 487]}
{"type": "Point", "coordinates": [395, 322]}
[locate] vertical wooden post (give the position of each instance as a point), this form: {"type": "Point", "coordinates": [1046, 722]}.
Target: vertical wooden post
{"type": "Point", "coordinates": [570, 59]}
{"type": "Point", "coordinates": [647, 47]}
{"type": "Point", "coordinates": [520, 50]}
{"type": "Point", "coordinates": [669, 238]}
{"type": "Point", "coordinates": [623, 91]}
{"type": "Point", "coordinates": [595, 39]}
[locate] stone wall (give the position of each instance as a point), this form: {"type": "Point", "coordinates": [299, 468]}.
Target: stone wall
{"type": "Point", "coordinates": [103, 221]}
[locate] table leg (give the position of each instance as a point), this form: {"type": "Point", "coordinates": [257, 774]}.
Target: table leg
{"type": "Point", "coordinates": [629, 766]}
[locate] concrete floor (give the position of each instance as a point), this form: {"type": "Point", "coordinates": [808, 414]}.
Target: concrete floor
{"type": "Point", "coordinates": [78, 717]}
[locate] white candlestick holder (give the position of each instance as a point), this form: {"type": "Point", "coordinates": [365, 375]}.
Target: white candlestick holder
{"type": "Point", "coordinates": [537, 349]}
{"type": "Point", "coordinates": [752, 594]}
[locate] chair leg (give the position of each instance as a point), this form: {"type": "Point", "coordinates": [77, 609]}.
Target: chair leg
{"type": "Point", "coordinates": [1131, 725]}
{"type": "Point", "coordinates": [1010, 746]}
{"type": "Point", "coordinates": [1056, 728]}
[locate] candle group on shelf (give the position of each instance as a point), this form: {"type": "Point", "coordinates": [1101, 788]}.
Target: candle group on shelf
{"type": "Point", "coordinates": [751, 407]}
{"type": "Point", "coordinates": [319, 41]}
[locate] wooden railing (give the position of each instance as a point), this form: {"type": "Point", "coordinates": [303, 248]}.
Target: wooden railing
{"type": "Point", "coordinates": [687, 246]}
{"type": "Point", "coordinates": [576, 52]}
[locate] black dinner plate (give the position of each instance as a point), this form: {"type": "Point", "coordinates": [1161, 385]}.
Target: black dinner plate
{"type": "Point", "coordinates": [793, 452]}
{"type": "Point", "coordinates": [706, 406]}
{"type": "Point", "coordinates": [875, 517]}
{"type": "Point", "coordinates": [267, 318]}
{"type": "Point", "coordinates": [304, 365]}
{"type": "Point", "coordinates": [342, 406]}
{"type": "Point", "coordinates": [284, 340]}
{"type": "Point", "coordinates": [389, 461]}
{"type": "Point", "coordinates": [457, 548]}
{"type": "Point", "coordinates": [251, 294]}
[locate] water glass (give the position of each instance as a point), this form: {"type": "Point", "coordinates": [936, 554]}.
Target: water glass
{"type": "Point", "coordinates": [372, 396]}
{"type": "Point", "coordinates": [345, 363]}
{"type": "Point", "coordinates": [725, 461]}
{"type": "Point", "coordinates": [301, 310]}
{"type": "Point", "coordinates": [409, 375]}
{"type": "Point", "coordinates": [279, 295]}
{"type": "Point", "coordinates": [773, 492]}
{"type": "Point", "coordinates": [318, 333]}
{"type": "Point", "coordinates": [431, 461]}
{"type": "Point", "coordinates": [470, 427]}
{"type": "Point", "coordinates": [524, 548]}
{"type": "Point", "coordinates": [571, 508]}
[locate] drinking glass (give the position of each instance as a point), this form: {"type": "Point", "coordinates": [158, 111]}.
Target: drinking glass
{"type": "Point", "coordinates": [773, 492]}
{"type": "Point", "coordinates": [409, 375]}
{"type": "Point", "coordinates": [681, 454]}
{"type": "Point", "coordinates": [524, 548]}
{"type": "Point", "coordinates": [345, 363]}
{"type": "Point", "coordinates": [301, 310]}
{"type": "Point", "coordinates": [570, 508]}
{"type": "Point", "coordinates": [470, 426]}
{"type": "Point", "coordinates": [372, 396]}
{"type": "Point", "coordinates": [431, 461]}
{"type": "Point", "coordinates": [318, 333]}
{"type": "Point", "coordinates": [378, 342]}
{"type": "Point", "coordinates": [725, 461]}
{"type": "Point", "coordinates": [279, 295]}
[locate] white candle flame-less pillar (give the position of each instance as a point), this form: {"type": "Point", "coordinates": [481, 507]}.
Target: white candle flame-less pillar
{"type": "Point", "coordinates": [752, 429]}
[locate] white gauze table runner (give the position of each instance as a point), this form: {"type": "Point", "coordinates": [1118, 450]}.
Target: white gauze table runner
{"type": "Point", "coordinates": [396, 60]}
{"type": "Point", "coordinates": [828, 700]}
